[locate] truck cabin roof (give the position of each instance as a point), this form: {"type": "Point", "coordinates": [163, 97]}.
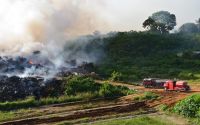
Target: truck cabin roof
{"type": "Point", "coordinates": [178, 82]}
{"type": "Point", "coordinates": [148, 79]}
{"type": "Point", "coordinates": [181, 82]}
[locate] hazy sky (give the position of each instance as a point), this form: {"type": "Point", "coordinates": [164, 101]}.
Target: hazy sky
{"type": "Point", "coordinates": [29, 24]}
{"type": "Point", "coordinates": [129, 14]}
{"type": "Point", "coordinates": [58, 18]}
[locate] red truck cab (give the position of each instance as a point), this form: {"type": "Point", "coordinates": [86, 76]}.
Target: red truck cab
{"type": "Point", "coordinates": [176, 86]}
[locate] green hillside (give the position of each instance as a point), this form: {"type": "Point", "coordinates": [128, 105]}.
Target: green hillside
{"type": "Point", "coordinates": [135, 55]}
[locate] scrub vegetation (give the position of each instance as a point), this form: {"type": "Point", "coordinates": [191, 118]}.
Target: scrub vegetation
{"type": "Point", "coordinates": [131, 56]}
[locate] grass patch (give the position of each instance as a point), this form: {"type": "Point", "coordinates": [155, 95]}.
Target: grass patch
{"type": "Point", "coordinates": [10, 115]}
{"type": "Point", "coordinates": [136, 121]}
{"type": "Point", "coordinates": [7, 115]}
{"type": "Point", "coordinates": [76, 89]}
{"type": "Point", "coordinates": [146, 96]}
{"type": "Point", "coordinates": [31, 102]}
{"type": "Point", "coordinates": [163, 107]}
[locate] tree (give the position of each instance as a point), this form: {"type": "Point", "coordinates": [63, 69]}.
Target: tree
{"type": "Point", "coordinates": [161, 22]}
{"type": "Point", "coordinates": [188, 28]}
{"type": "Point", "coordinates": [198, 24]}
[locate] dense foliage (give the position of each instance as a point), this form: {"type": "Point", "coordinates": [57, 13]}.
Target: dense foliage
{"type": "Point", "coordinates": [189, 107]}
{"type": "Point", "coordinates": [134, 55]}
{"type": "Point", "coordinates": [76, 85]}
{"type": "Point", "coordinates": [160, 22]}
{"type": "Point", "coordinates": [189, 28]}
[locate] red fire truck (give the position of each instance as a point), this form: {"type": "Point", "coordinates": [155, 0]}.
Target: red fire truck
{"type": "Point", "coordinates": [171, 85]}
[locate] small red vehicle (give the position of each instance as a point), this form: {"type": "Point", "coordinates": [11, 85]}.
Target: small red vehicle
{"type": "Point", "coordinates": [171, 85]}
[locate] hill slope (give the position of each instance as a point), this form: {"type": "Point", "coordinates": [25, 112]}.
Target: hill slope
{"type": "Point", "coordinates": [135, 55]}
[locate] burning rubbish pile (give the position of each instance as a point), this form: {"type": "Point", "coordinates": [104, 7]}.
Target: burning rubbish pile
{"type": "Point", "coordinates": [40, 73]}
{"type": "Point", "coordinates": [23, 67]}
{"type": "Point", "coordinates": [53, 28]}
{"type": "Point", "coordinates": [24, 76]}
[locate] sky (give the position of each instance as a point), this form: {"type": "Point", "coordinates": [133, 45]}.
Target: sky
{"type": "Point", "coordinates": [129, 14]}
{"type": "Point", "coordinates": [27, 25]}
{"type": "Point", "coordinates": [57, 20]}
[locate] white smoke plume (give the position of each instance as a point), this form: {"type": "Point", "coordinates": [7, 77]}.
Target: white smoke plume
{"type": "Point", "coordinates": [26, 25]}
{"type": "Point", "coordinates": [48, 26]}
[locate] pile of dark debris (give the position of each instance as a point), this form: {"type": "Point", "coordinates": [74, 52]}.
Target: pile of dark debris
{"type": "Point", "coordinates": [13, 86]}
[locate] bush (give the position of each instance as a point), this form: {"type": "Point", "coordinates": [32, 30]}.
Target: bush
{"type": "Point", "coordinates": [188, 107]}
{"type": "Point", "coordinates": [116, 76]}
{"type": "Point", "coordinates": [186, 75]}
{"type": "Point", "coordinates": [77, 84]}
{"type": "Point", "coordinates": [108, 90]}
{"type": "Point", "coordinates": [150, 95]}
{"type": "Point", "coordinates": [146, 96]}
{"type": "Point", "coordinates": [163, 107]}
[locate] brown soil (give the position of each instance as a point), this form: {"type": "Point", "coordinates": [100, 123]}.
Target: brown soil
{"type": "Point", "coordinates": [55, 113]}
{"type": "Point", "coordinates": [167, 97]}
{"type": "Point", "coordinates": [78, 114]}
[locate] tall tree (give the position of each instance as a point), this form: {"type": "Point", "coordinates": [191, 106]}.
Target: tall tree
{"type": "Point", "coordinates": [198, 24]}
{"type": "Point", "coordinates": [188, 28]}
{"type": "Point", "coordinates": [161, 22]}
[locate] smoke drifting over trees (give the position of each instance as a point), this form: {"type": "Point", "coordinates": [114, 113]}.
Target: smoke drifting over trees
{"type": "Point", "coordinates": [31, 24]}
{"type": "Point", "coordinates": [49, 26]}
{"type": "Point", "coordinates": [54, 28]}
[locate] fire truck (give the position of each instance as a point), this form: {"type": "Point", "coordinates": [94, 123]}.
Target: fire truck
{"type": "Point", "coordinates": [171, 85]}
{"type": "Point", "coordinates": [168, 85]}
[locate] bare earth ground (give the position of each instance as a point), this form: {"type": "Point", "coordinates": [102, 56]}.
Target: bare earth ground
{"type": "Point", "coordinates": [72, 111]}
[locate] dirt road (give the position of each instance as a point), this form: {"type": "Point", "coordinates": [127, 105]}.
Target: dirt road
{"type": "Point", "coordinates": [57, 113]}
{"type": "Point", "coordinates": [168, 97]}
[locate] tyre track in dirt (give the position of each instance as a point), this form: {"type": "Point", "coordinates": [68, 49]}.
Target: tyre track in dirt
{"type": "Point", "coordinates": [168, 98]}
{"type": "Point", "coordinates": [78, 114]}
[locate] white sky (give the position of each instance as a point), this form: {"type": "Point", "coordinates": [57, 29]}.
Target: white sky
{"type": "Point", "coordinates": [130, 14]}
{"type": "Point", "coordinates": [26, 24]}
{"type": "Point", "coordinates": [121, 15]}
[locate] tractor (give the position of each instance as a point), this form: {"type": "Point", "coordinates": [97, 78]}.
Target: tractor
{"type": "Point", "coordinates": [172, 85]}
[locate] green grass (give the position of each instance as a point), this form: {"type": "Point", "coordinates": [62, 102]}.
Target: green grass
{"type": "Point", "coordinates": [146, 96]}
{"type": "Point", "coordinates": [16, 114]}
{"type": "Point", "coordinates": [76, 89]}
{"type": "Point", "coordinates": [31, 102]}
{"type": "Point", "coordinates": [136, 121]}
{"type": "Point", "coordinates": [7, 115]}
{"type": "Point", "coordinates": [189, 107]}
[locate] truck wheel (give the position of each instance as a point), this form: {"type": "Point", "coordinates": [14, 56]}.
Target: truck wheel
{"type": "Point", "coordinates": [185, 90]}
{"type": "Point", "coordinates": [165, 89]}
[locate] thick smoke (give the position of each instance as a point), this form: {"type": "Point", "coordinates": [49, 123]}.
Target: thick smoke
{"type": "Point", "coordinates": [29, 24]}
{"type": "Point", "coordinates": [52, 27]}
